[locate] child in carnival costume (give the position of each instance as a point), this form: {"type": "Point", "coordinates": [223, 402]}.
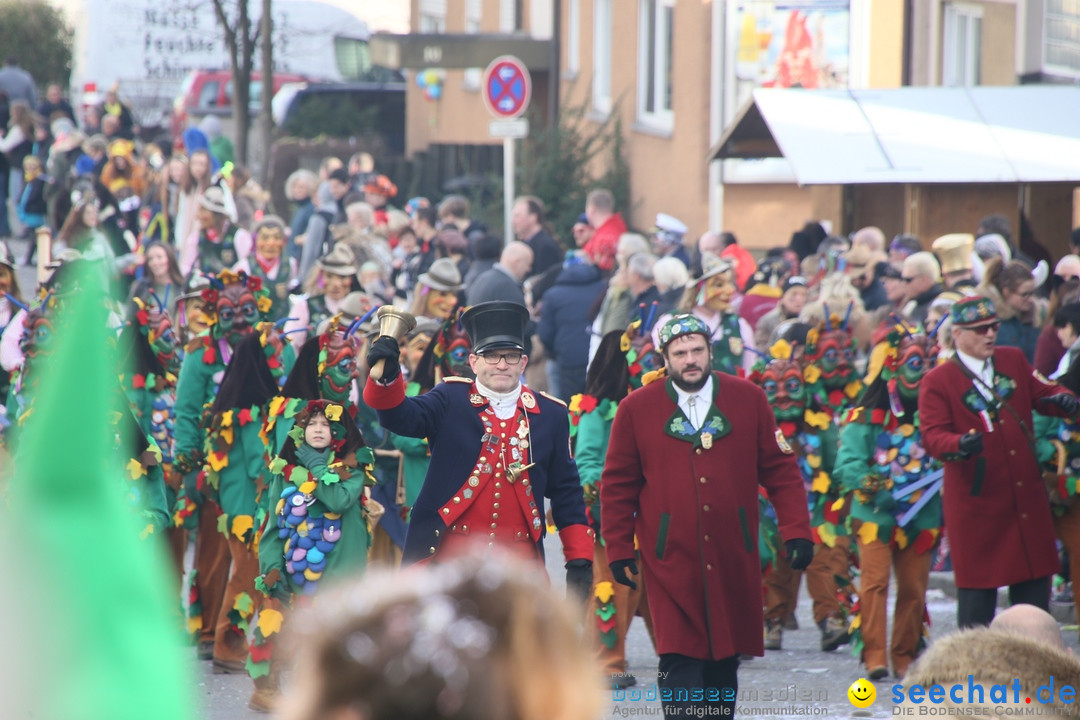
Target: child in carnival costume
{"type": "Point", "coordinates": [812, 437]}
{"type": "Point", "coordinates": [1058, 445]}
{"type": "Point", "coordinates": [896, 505]}
{"type": "Point", "coordinates": [642, 358]}
{"type": "Point", "coordinates": [318, 529]}
{"type": "Point", "coordinates": [234, 476]}
{"type": "Point", "coordinates": [233, 304]}
{"type": "Point", "coordinates": [612, 605]}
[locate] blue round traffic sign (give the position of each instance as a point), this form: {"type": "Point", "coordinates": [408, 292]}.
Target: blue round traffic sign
{"type": "Point", "coordinates": [506, 87]}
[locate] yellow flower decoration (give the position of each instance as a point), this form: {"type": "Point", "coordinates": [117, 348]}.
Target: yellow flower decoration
{"type": "Point", "coordinates": [821, 483]}
{"type": "Point", "coordinates": [900, 538]}
{"type": "Point", "coordinates": [228, 276]}
{"type": "Point", "coordinates": [827, 534]}
{"type": "Point", "coordinates": [226, 418]}
{"type": "Point", "coordinates": [135, 470]}
{"type": "Point", "coordinates": [853, 388]}
{"type": "Point", "coordinates": [575, 403]}
{"type": "Point", "coordinates": [604, 591]}
{"type": "Point", "coordinates": [241, 524]}
{"type": "Point", "coordinates": [868, 532]}
{"type": "Point", "coordinates": [781, 349]}
{"type": "Point", "coordinates": [817, 420]}
{"type": "Point", "coordinates": [333, 412]}
{"type": "Point", "coordinates": [269, 621]}
{"type": "Point", "coordinates": [812, 374]}
{"type": "Point", "coordinates": [264, 304]}
{"type": "Point", "coordinates": [308, 487]}
{"type": "Point", "coordinates": [812, 336]}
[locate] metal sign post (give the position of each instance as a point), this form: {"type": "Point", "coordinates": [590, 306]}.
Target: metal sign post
{"type": "Point", "coordinates": [507, 89]}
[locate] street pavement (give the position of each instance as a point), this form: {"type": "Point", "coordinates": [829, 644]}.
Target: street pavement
{"type": "Point", "coordinates": [802, 680]}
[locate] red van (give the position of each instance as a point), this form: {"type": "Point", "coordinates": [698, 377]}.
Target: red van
{"type": "Point", "coordinates": [209, 92]}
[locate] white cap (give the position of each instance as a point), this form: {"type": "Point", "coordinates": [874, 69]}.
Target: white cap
{"type": "Point", "coordinates": [669, 224]}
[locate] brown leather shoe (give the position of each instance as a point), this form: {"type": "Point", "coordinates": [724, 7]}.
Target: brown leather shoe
{"type": "Point", "coordinates": [774, 634]}
{"type": "Point", "coordinates": [264, 699]}
{"type": "Point", "coordinates": [790, 622]}
{"type": "Point", "coordinates": [878, 673]}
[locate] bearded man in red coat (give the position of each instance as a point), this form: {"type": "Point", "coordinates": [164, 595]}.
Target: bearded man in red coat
{"type": "Point", "coordinates": [684, 463]}
{"type": "Point", "coordinates": [975, 412]}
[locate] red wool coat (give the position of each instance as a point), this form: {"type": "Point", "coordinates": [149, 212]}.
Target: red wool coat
{"type": "Point", "coordinates": [694, 511]}
{"type": "Point", "coordinates": [997, 513]}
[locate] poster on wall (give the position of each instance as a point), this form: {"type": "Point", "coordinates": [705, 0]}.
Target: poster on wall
{"type": "Point", "coordinates": [778, 44]}
{"type": "Point", "coordinates": [792, 44]}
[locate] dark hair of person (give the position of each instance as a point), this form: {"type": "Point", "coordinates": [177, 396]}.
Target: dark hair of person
{"type": "Point", "coordinates": [303, 380]}
{"type": "Point", "coordinates": [429, 215]}
{"type": "Point", "coordinates": [137, 357]}
{"type": "Point", "coordinates": [248, 381]}
{"type": "Point", "coordinates": [488, 247]}
{"type": "Point", "coordinates": [608, 377]}
{"type": "Point", "coordinates": [1068, 315]}
{"type": "Point", "coordinates": [728, 239]}
{"type": "Point", "coordinates": [175, 276]}
{"type": "Point", "coordinates": [1006, 275]}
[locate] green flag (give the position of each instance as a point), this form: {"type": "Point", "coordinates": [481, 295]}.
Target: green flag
{"type": "Point", "coordinates": [90, 628]}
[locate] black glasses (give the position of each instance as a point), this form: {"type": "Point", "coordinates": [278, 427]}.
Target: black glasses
{"type": "Point", "coordinates": [983, 329]}
{"type": "Point", "coordinates": [511, 358]}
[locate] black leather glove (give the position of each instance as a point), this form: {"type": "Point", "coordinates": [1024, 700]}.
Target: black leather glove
{"type": "Point", "coordinates": [971, 444]}
{"type": "Point", "coordinates": [385, 348]}
{"type": "Point", "coordinates": [800, 552]}
{"type": "Point", "coordinates": [619, 568]}
{"type": "Point", "coordinates": [1065, 401]}
{"type": "Point", "coordinates": [579, 579]}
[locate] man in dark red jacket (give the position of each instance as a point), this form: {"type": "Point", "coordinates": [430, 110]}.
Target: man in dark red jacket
{"type": "Point", "coordinates": [975, 412]}
{"type": "Point", "coordinates": [685, 460]}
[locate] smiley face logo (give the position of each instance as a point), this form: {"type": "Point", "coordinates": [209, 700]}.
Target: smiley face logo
{"type": "Point", "coordinates": [862, 693]}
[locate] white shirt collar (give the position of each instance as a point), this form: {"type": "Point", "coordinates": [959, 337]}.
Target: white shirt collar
{"type": "Point", "coordinates": [979, 367]}
{"type": "Point", "coordinates": [504, 404]}
{"type": "Point", "coordinates": [701, 405]}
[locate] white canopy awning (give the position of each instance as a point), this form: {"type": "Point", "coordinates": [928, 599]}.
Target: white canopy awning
{"type": "Point", "coordinates": [1027, 133]}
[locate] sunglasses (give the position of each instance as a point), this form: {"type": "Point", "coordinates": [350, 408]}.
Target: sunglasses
{"type": "Point", "coordinates": [984, 329]}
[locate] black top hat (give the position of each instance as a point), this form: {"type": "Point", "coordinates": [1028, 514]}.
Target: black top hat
{"type": "Point", "coordinates": [496, 324]}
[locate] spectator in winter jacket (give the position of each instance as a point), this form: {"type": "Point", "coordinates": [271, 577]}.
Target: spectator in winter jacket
{"type": "Point", "coordinates": [527, 219]}
{"type": "Point", "coordinates": [608, 228]}
{"type": "Point", "coordinates": [564, 325]}
{"type": "Point", "coordinates": [32, 207]}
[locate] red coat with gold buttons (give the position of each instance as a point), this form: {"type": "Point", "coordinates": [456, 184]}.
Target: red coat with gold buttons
{"type": "Point", "coordinates": [449, 416]}
{"type": "Point", "coordinates": [997, 513]}
{"type": "Point", "coordinates": [691, 499]}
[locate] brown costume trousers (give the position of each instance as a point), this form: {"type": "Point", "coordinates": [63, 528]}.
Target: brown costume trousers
{"type": "Point", "coordinates": [230, 645]}
{"type": "Point", "coordinates": [211, 568]}
{"type": "Point", "coordinates": [781, 589]}
{"type": "Point", "coordinates": [828, 564]}
{"type": "Point", "coordinates": [912, 571]}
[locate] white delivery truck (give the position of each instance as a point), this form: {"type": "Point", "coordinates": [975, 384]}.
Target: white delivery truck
{"type": "Point", "coordinates": [148, 47]}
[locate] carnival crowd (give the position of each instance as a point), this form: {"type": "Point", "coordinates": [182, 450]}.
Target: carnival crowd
{"type": "Point", "coordinates": [857, 408]}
